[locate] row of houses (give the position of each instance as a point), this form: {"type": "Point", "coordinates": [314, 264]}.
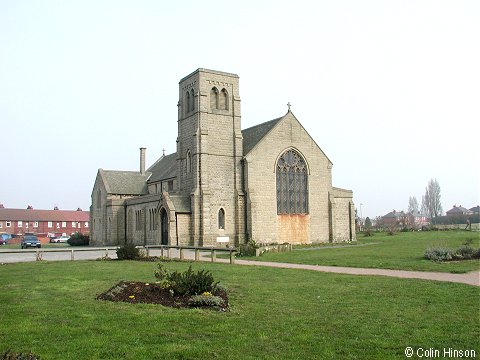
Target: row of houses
{"type": "Point", "coordinates": [460, 210]}
{"type": "Point", "coordinates": [43, 223]}
{"type": "Point", "coordinates": [416, 219]}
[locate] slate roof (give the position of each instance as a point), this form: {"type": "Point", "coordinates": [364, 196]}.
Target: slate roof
{"type": "Point", "coordinates": [253, 135]}
{"type": "Point", "coordinates": [458, 210]}
{"type": "Point", "coordinates": [475, 209]}
{"type": "Point", "coordinates": [43, 215]}
{"type": "Point", "coordinates": [393, 214]}
{"type": "Point", "coordinates": [125, 182]}
{"type": "Point", "coordinates": [164, 168]}
{"type": "Point", "coordinates": [181, 203]}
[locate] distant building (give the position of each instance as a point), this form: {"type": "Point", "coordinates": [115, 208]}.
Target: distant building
{"type": "Point", "coordinates": [410, 220]}
{"type": "Point", "coordinates": [392, 217]}
{"type": "Point", "coordinates": [458, 211]}
{"type": "Point", "coordinates": [43, 223]}
{"type": "Point", "coordinates": [475, 210]}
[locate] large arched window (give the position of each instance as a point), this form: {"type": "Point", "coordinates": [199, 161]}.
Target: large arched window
{"type": "Point", "coordinates": [221, 219]}
{"type": "Point", "coordinates": [223, 100]}
{"type": "Point", "coordinates": [292, 184]}
{"type": "Point", "coordinates": [214, 98]}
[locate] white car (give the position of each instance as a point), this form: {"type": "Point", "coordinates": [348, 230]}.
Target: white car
{"type": "Point", "coordinates": [61, 239]}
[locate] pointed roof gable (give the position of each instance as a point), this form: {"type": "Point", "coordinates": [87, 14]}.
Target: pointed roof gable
{"type": "Point", "coordinates": [124, 182]}
{"type": "Point", "coordinates": [255, 134]}
{"type": "Point", "coordinates": [164, 168]}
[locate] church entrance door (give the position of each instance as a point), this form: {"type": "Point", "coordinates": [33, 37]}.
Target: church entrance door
{"type": "Point", "coordinates": [164, 226]}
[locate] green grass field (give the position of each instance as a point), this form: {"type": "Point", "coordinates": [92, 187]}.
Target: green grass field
{"type": "Point", "coordinates": [49, 308]}
{"type": "Point", "coordinates": [400, 251]}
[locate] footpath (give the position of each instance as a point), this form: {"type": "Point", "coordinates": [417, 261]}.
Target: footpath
{"type": "Point", "coordinates": [471, 278]}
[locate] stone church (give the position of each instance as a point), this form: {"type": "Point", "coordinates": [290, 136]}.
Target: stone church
{"type": "Point", "coordinates": [224, 186]}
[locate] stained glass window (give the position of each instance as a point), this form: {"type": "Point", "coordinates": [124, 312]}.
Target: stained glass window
{"type": "Point", "coordinates": [292, 184]}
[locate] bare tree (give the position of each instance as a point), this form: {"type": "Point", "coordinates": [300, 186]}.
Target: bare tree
{"type": "Point", "coordinates": [432, 199]}
{"type": "Point", "coordinates": [423, 208]}
{"type": "Point", "coordinates": [412, 205]}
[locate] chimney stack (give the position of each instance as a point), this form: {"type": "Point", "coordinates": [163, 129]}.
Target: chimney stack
{"type": "Point", "coordinates": [142, 160]}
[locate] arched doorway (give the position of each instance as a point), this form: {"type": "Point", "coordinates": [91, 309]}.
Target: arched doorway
{"type": "Point", "coordinates": [164, 226]}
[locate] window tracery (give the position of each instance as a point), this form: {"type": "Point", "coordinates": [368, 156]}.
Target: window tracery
{"type": "Point", "coordinates": [292, 184]}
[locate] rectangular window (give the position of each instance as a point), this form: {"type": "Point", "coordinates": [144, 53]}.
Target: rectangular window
{"type": "Point", "coordinates": [86, 224]}
{"type": "Point", "coordinates": [64, 224]}
{"type": "Point", "coordinates": [58, 225]}
{"type": "Point", "coordinates": [1, 224]}
{"type": "Point", "coordinates": [170, 185]}
{"type": "Point", "coordinates": [35, 224]}
{"type": "Point", "coordinates": [26, 224]}
{"type": "Point", "coordinates": [74, 224]}
{"type": "Point", "coordinates": [50, 224]}
{"type": "Point", "coordinates": [19, 224]}
{"type": "Point", "coordinates": [8, 223]}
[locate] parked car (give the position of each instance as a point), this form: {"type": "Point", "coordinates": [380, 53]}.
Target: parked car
{"type": "Point", "coordinates": [60, 239]}
{"type": "Point", "coordinates": [4, 238]}
{"type": "Point", "coordinates": [30, 241]}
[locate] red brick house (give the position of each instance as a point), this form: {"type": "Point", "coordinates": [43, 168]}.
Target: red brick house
{"type": "Point", "coordinates": [43, 223]}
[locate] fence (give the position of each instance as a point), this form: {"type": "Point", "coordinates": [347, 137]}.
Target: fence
{"type": "Point", "coordinates": [165, 251]}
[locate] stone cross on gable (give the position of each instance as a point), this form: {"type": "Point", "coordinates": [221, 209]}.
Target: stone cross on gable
{"type": "Point", "coordinates": [164, 151]}
{"type": "Point", "coordinates": [288, 104]}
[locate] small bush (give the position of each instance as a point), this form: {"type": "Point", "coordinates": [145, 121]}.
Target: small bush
{"type": "Point", "coordinates": [248, 249]}
{"type": "Point", "coordinates": [128, 252]}
{"type": "Point", "coordinates": [438, 254]}
{"type": "Point", "coordinates": [205, 300]}
{"type": "Point", "coordinates": [368, 233]}
{"type": "Point", "coordinates": [219, 289]}
{"type": "Point", "coordinates": [8, 355]}
{"type": "Point", "coordinates": [188, 282]}
{"type": "Point", "coordinates": [465, 252]}
{"type": "Point", "coordinates": [79, 239]}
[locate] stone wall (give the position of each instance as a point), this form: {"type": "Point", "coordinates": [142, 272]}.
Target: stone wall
{"type": "Point", "coordinates": [264, 225]}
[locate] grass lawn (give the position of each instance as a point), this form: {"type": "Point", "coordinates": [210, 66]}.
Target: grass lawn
{"type": "Point", "coordinates": [400, 251]}
{"type": "Point", "coordinates": [49, 308]}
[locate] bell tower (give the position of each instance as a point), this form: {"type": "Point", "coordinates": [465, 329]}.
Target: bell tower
{"type": "Point", "coordinates": [209, 153]}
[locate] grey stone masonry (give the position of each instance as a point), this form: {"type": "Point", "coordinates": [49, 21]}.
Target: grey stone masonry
{"type": "Point", "coordinates": [270, 183]}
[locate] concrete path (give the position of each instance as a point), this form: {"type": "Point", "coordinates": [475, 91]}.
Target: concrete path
{"type": "Point", "coordinates": [471, 278]}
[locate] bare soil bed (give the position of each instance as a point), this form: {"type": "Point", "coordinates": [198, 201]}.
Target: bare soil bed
{"type": "Point", "coordinates": [151, 293]}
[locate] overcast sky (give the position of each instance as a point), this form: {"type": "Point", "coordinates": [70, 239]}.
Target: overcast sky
{"type": "Point", "coordinates": [390, 90]}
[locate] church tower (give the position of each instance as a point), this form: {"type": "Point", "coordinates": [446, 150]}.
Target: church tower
{"type": "Point", "coordinates": [209, 154]}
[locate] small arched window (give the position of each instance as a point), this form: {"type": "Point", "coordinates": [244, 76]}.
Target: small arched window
{"type": "Point", "coordinates": [223, 100]}
{"type": "Point", "coordinates": [189, 162]}
{"type": "Point", "coordinates": [292, 184]}
{"type": "Point", "coordinates": [214, 98]}
{"type": "Point", "coordinates": [192, 100]}
{"type": "Point", "coordinates": [221, 219]}
{"type": "Point", "coordinates": [187, 102]}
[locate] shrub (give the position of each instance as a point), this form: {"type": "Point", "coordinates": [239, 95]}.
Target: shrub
{"type": "Point", "coordinates": [205, 300]}
{"type": "Point", "coordinates": [248, 249]}
{"type": "Point", "coordinates": [128, 252]}
{"type": "Point", "coordinates": [465, 252]}
{"type": "Point", "coordinates": [187, 283]}
{"type": "Point", "coordinates": [79, 239]}
{"type": "Point", "coordinates": [8, 355]}
{"type": "Point", "coordinates": [368, 233]}
{"type": "Point", "coordinates": [438, 254]}
{"type": "Point", "coordinates": [219, 289]}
